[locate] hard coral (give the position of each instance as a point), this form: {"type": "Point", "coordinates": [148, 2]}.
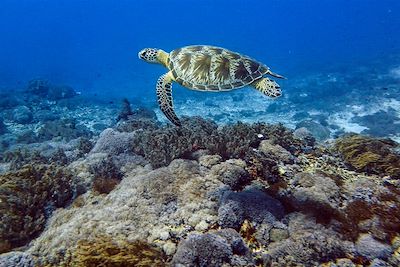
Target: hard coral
{"type": "Point", "coordinates": [67, 129]}
{"type": "Point", "coordinates": [309, 244]}
{"type": "Point", "coordinates": [251, 204]}
{"type": "Point", "coordinates": [20, 157]}
{"type": "Point", "coordinates": [27, 197]}
{"type": "Point", "coordinates": [3, 128]}
{"type": "Point", "coordinates": [125, 110]}
{"type": "Point", "coordinates": [106, 176]}
{"type": "Point", "coordinates": [213, 249]}
{"type": "Point", "coordinates": [17, 258]}
{"type": "Point", "coordinates": [45, 89]}
{"type": "Point", "coordinates": [370, 155]}
{"type": "Point", "coordinates": [161, 146]}
{"type": "Point", "coordinates": [103, 251]}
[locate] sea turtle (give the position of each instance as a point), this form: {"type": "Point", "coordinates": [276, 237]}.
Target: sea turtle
{"type": "Point", "coordinates": [207, 68]}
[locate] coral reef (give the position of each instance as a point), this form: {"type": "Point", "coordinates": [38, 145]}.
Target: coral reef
{"type": "Point", "coordinates": [16, 258]}
{"type": "Point", "coordinates": [213, 249]}
{"type": "Point", "coordinates": [251, 204]}
{"type": "Point", "coordinates": [45, 89]}
{"type": "Point", "coordinates": [309, 244]}
{"type": "Point", "coordinates": [381, 123]}
{"type": "Point", "coordinates": [114, 142]}
{"type": "Point", "coordinates": [159, 206]}
{"type": "Point", "coordinates": [371, 248]}
{"type": "Point", "coordinates": [370, 155]}
{"type": "Point", "coordinates": [319, 131]}
{"type": "Point", "coordinates": [126, 110]}
{"type": "Point", "coordinates": [22, 115]}
{"type": "Point", "coordinates": [233, 195]}
{"type": "Point", "coordinates": [161, 146]}
{"type": "Point", "coordinates": [131, 120]}
{"type": "Point", "coordinates": [84, 146]}
{"type": "Point", "coordinates": [27, 198]}
{"type": "Point", "coordinates": [66, 129]}
{"type": "Point", "coordinates": [104, 251]}
{"type": "Point", "coordinates": [3, 128]}
{"type": "Point", "coordinates": [106, 175]}
{"type": "Point", "coordinates": [20, 157]}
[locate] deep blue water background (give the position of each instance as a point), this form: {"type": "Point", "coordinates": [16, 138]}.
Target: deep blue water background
{"type": "Point", "coordinates": [92, 45]}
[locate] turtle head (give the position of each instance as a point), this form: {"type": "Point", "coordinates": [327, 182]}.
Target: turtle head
{"type": "Point", "coordinates": [149, 55]}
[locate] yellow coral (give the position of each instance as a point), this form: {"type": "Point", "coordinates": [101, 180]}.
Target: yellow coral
{"type": "Point", "coordinates": [370, 155]}
{"type": "Point", "coordinates": [104, 251]}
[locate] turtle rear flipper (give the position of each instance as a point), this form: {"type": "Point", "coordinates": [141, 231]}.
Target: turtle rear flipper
{"type": "Point", "coordinates": [268, 87]}
{"type": "Point", "coordinates": [164, 96]}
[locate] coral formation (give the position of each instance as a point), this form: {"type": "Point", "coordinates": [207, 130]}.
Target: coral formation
{"type": "Point", "coordinates": [45, 89]}
{"type": "Point", "coordinates": [22, 115]}
{"type": "Point", "coordinates": [16, 258]}
{"type": "Point", "coordinates": [114, 142]}
{"type": "Point", "coordinates": [106, 175]}
{"type": "Point", "coordinates": [251, 204]}
{"type": "Point", "coordinates": [84, 146]}
{"type": "Point", "coordinates": [319, 131]}
{"type": "Point", "coordinates": [309, 244]}
{"type": "Point", "coordinates": [27, 198]}
{"type": "Point", "coordinates": [162, 145]}
{"type": "Point", "coordinates": [131, 120]}
{"type": "Point", "coordinates": [237, 195]}
{"type": "Point", "coordinates": [20, 157]}
{"type": "Point", "coordinates": [66, 129]}
{"type": "Point", "coordinates": [213, 249]}
{"type": "Point", "coordinates": [126, 110]}
{"type": "Point", "coordinates": [104, 251]}
{"type": "Point", "coordinates": [380, 124]}
{"type": "Point", "coordinates": [165, 204]}
{"type": "Point", "coordinates": [3, 128]}
{"type": "Point", "coordinates": [370, 155]}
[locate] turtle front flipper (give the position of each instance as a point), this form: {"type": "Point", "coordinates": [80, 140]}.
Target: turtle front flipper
{"type": "Point", "coordinates": [164, 96]}
{"type": "Point", "coordinates": [267, 87]}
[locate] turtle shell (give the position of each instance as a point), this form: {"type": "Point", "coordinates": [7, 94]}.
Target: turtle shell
{"type": "Point", "coordinates": [209, 68]}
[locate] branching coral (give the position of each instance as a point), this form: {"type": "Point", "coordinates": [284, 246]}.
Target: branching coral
{"type": "Point", "coordinates": [27, 198]}
{"type": "Point", "coordinates": [162, 145]}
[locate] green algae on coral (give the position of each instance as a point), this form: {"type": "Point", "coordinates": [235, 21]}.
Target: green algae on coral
{"type": "Point", "coordinates": [370, 155]}
{"type": "Point", "coordinates": [27, 197]}
{"type": "Point", "coordinates": [104, 251]}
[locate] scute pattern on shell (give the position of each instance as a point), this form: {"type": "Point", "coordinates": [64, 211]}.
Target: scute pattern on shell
{"type": "Point", "coordinates": [209, 68]}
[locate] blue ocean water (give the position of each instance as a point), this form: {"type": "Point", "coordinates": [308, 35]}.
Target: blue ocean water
{"type": "Point", "coordinates": [93, 45]}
